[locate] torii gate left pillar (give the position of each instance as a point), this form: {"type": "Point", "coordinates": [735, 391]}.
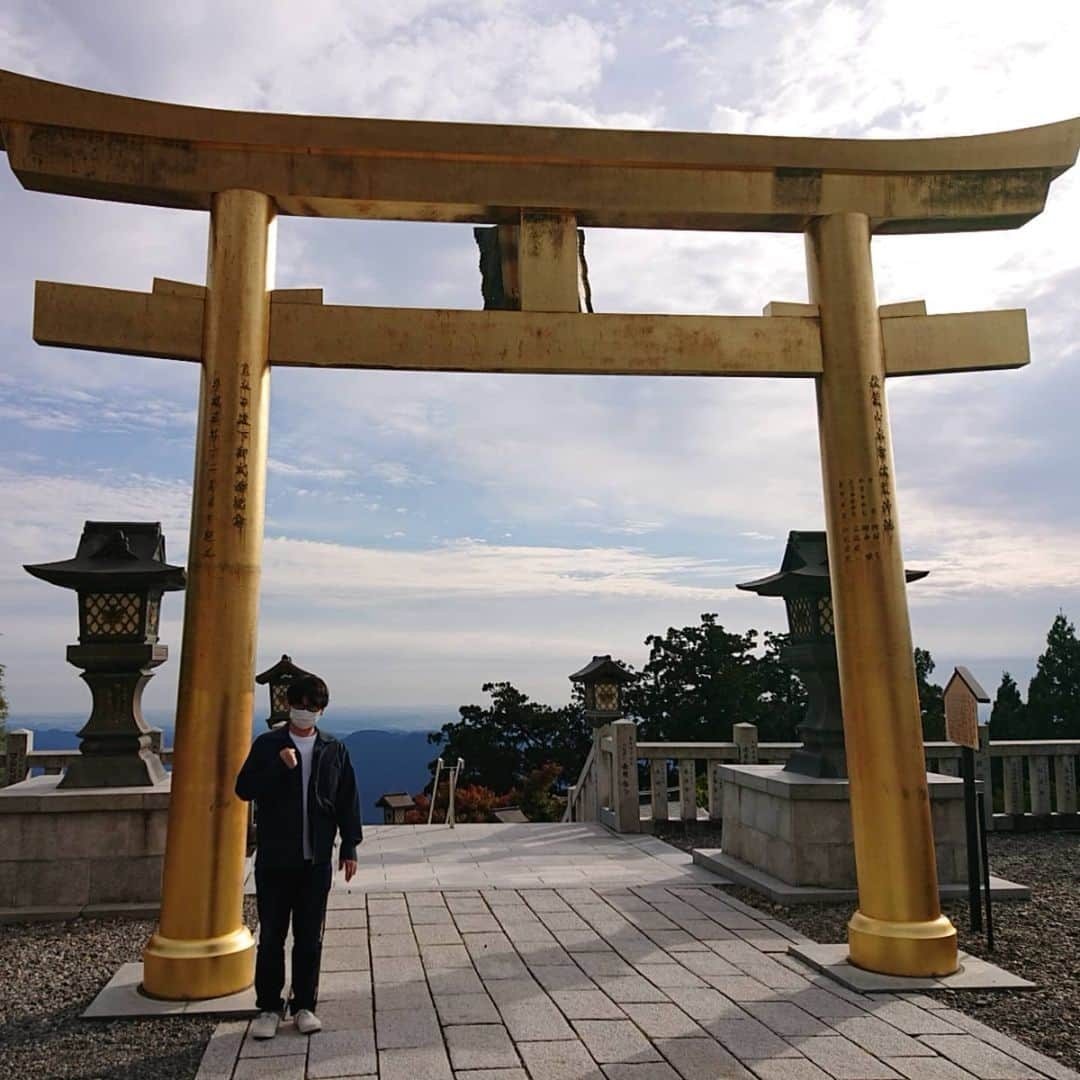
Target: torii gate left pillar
{"type": "Point", "coordinates": [199, 951]}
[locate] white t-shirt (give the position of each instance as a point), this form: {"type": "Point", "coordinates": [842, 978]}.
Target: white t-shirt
{"type": "Point", "coordinates": [305, 747]}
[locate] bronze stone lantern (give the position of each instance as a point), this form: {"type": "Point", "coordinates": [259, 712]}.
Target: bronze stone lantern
{"type": "Point", "coordinates": [120, 574]}
{"type": "Point", "coordinates": [803, 582]}
{"type": "Point", "coordinates": [279, 676]}
{"type": "Point", "coordinates": [602, 680]}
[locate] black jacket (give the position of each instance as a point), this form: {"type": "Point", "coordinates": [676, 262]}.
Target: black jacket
{"type": "Point", "coordinates": [333, 801]}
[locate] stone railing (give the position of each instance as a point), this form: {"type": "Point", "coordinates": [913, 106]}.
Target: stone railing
{"type": "Point", "coordinates": [1033, 782]}
{"type": "Point", "coordinates": [21, 757]}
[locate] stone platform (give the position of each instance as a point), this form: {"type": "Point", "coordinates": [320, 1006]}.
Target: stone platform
{"type": "Point", "coordinates": [592, 981]}
{"type": "Point", "coordinates": [80, 851]}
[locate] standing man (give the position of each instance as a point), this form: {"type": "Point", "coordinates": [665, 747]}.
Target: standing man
{"type": "Point", "coordinates": [304, 789]}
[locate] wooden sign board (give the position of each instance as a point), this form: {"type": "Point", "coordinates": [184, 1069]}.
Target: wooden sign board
{"type": "Point", "coordinates": [962, 696]}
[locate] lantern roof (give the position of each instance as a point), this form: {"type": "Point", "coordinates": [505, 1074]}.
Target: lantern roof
{"type": "Point", "coordinates": [804, 569]}
{"type": "Point", "coordinates": [115, 556]}
{"type": "Point", "coordinates": [283, 669]}
{"type": "Point", "coordinates": [602, 669]}
{"type": "Point", "coordinates": [396, 800]}
{"type": "Point", "coordinates": [963, 675]}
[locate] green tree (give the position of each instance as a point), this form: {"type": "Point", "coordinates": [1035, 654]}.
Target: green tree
{"type": "Point", "coordinates": [931, 698]}
{"type": "Point", "coordinates": [502, 743]}
{"type": "Point", "coordinates": [1008, 718]}
{"type": "Point", "coordinates": [699, 680]}
{"type": "Point", "coordinates": [1054, 691]}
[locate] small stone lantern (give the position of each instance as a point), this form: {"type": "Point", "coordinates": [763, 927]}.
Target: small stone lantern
{"type": "Point", "coordinates": [120, 573]}
{"type": "Point", "coordinates": [279, 676]}
{"type": "Point", "coordinates": [803, 582]}
{"type": "Point", "coordinates": [602, 681]}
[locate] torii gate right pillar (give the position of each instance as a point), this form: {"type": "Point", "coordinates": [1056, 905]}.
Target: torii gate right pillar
{"type": "Point", "coordinates": [898, 928]}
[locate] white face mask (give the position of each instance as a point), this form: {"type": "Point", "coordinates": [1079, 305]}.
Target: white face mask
{"type": "Point", "coordinates": [302, 718]}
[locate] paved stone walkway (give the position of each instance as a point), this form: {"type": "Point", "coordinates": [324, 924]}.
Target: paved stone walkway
{"type": "Point", "coordinates": [597, 981]}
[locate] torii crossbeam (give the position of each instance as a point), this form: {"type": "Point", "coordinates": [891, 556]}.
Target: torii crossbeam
{"type": "Point", "coordinates": [543, 183]}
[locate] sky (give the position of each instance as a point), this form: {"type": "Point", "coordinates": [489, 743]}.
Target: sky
{"type": "Point", "coordinates": [429, 532]}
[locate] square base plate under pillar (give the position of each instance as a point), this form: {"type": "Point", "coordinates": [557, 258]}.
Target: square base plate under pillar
{"type": "Point", "coordinates": [122, 998]}
{"type": "Point", "coordinates": [974, 974]}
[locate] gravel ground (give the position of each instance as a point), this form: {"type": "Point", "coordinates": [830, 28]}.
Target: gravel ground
{"type": "Point", "coordinates": [1039, 940]}
{"type": "Point", "coordinates": [50, 972]}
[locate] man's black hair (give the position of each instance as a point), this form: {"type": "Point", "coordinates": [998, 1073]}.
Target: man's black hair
{"type": "Point", "coordinates": [309, 692]}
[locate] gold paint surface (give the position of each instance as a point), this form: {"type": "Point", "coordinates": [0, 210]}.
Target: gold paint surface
{"type": "Point", "coordinates": [78, 142]}
{"type": "Point", "coordinates": [202, 948]}
{"type": "Point", "coordinates": [890, 806]}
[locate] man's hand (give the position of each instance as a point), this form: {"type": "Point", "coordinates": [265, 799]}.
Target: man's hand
{"type": "Point", "coordinates": [349, 866]}
{"type": "Point", "coordinates": [288, 755]}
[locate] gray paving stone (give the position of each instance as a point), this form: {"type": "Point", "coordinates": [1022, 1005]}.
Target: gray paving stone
{"type": "Point", "coordinates": [466, 905]}
{"type": "Point", "coordinates": [394, 945]}
{"type": "Point", "coordinates": [788, 1069]}
{"type": "Point", "coordinates": [444, 981]}
{"type": "Point", "coordinates": [270, 1068]}
{"type": "Point", "coordinates": [437, 934]}
{"type": "Point", "coordinates": [529, 933]}
{"type": "Point", "coordinates": [665, 975]}
{"type": "Point", "coordinates": [822, 1003]}
{"type": "Point", "coordinates": [379, 925]}
{"type": "Point", "coordinates": [222, 1050]}
{"type": "Point", "coordinates": [701, 1059]}
{"type": "Point", "coordinates": [529, 1014]}
{"type": "Point", "coordinates": [409, 995]}
{"type": "Point", "coordinates": [677, 941]}
{"type": "Point", "coordinates": [986, 1062]}
{"type": "Point", "coordinates": [476, 923]}
{"type": "Point", "coordinates": [547, 954]}
{"type": "Point", "coordinates": [924, 1068]}
{"type": "Point", "coordinates": [287, 1042]}
{"type": "Point", "coordinates": [346, 919]}
{"type": "Point", "coordinates": [398, 1029]}
{"type": "Point", "coordinates": [480, 1046]}
{"type": "Point", "coordinates": [880, 1038]}
{"type": "Point", "coordinates": [349, 937]}
{"type": "Point", "coordinates": [564, 1060]}
{"type": "Point", "coordinates": [345, 985]}
{"type": "Point", "coordinates": [341, 1053]}
{"type": "Point", "coordinates": [651, 1070]}
{"type": "Point", "coordinates": [346, 1013]}
{"type": "Point", "coordinates": [466, 1009]}
{"type": "Point", "coordinates": [843, 1059]}
{"type": "Point", "coordinates": [630, 988]}
{"type": "Point", "coordinates": [491, 1074]}
{"type": "Point", "coordinates": [386, 905]}
{"type": "Point", "coordinates": [500, 966]}
{"type": "Point", "coordinates": [611, 1041]}
{"type": "Point", "coordinates": [487, 944]}
{"type": "Point", "coordinates": [445, 956]}
{"type": "Point", "coordinates": [662, 1021]}
{"type": "Point", "coordinates": [415, 1063]}
{"type": "Point", "coordinates": [748, 1038]}
{"type": "Point", "coordinates": [586, 1005]}
{"type": "Point", "coordinates": [386, 970]}
{"type": "Point", "coordinates": [708, 963]}
{"type": "Point", "coordinates": [345, 958]}
{"type": "Point", "coordinates": [785, 1018]}
{"type": "Point", "coordinates": [577, 941]}
{"type": "Point", "coordinates": [563, 920]}
{"type": "Point", "coordinates": [431, 916]}
{"type": "Point", "coordinates": [604, 963]}
{"type": "Point", "coordinates": [704, 1003]}
{"type": "Point", "coordinates": [425, 900]}
{"type": "Point", "coordinates": [742, 988]}
{"type": "Point", "coordinates": [561, 977]}
{"type": "Point", "coordinates": [911, 1019]}
{"type": "Point", "coordinates": [1010, 1046]}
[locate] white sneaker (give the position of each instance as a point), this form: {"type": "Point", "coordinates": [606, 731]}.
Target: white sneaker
{"type": "Point", "coordinates": [265, 1025]}
{"type": "Point", "coordinates": [307, 1023]}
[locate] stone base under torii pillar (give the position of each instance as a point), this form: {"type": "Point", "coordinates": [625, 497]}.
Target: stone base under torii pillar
{"type": "Point", "coordinates": [789, 836]}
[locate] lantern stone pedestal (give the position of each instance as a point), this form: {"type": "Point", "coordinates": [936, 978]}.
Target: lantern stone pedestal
{"type": "Point", "coordinates": [789, 836]}
{"type": "Point", "coordinates": [82, 851]}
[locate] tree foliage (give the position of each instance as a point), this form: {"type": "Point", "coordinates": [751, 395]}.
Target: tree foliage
{"type": "Point", "coordinates": [502, 743]}
{"type": "Point", "coordinates": [931, 698]}
{"type": "Point", "coordinates": [699, 680]}
{"type": "Point", "coordinates": [1053, 709]}
{"type": "Point", "coordinates": [1008, 718]}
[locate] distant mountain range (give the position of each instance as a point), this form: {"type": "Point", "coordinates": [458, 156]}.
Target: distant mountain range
{"type": "Point", "coordinates": [384, 760]}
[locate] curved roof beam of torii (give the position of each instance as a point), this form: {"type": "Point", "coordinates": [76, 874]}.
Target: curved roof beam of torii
{"type": "Point", "coordinates": [79, 142]}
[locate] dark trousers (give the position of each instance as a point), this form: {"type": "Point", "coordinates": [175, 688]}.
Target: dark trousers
{"type": "Point", "coordinates": [300, 893]}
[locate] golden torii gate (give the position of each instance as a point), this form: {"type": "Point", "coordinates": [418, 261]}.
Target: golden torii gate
{"type": "Point", "coordinates": [541, 184]}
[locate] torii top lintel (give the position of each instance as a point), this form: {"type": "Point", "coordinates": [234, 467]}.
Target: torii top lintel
{"type": "Point", "coordinates": [80, 142]}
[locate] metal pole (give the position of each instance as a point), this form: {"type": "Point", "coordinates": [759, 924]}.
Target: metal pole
{"type": "Point", "coordinates": [899, 928]}
{"type": "Point", "coordinates": [434, 792]}
{"type": "Point", "coordinates": [202, 948]}
{"type": "Point", "coordinates": [971, 809]}
{"type": "Point", "coordinates": [986, 874]}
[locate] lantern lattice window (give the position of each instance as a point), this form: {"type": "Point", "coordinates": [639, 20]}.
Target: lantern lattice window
{"type": "Point", "coordinates": [279, 701]}
{"type": "Point", "coordinates": [607, 697]}
{"type": "Point", "coordinates": [802, 616]}
{"type": "Point", "coordinates": [112, 614]}
{"type": "Point", "coordinates": [153, 616]}
{"type": "Point", "coordinates": [825, 619]}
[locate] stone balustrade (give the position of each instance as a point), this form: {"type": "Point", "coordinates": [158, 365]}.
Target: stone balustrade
{"type": "Point", "coordinates": [1033, 781]}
